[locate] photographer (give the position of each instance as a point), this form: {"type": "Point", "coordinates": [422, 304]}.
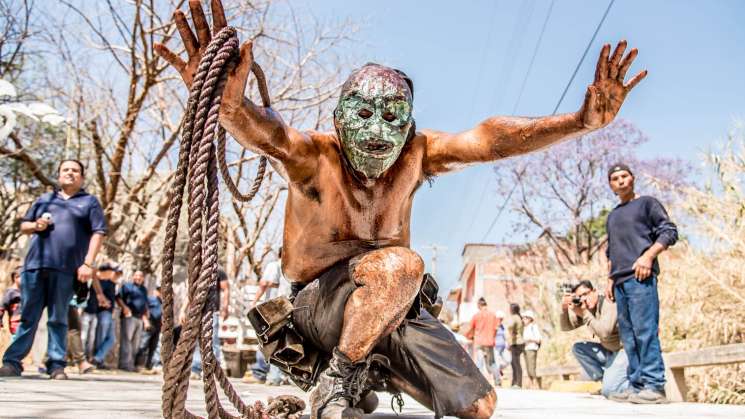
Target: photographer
{"type": "Point", "coordinates": [605, 360]}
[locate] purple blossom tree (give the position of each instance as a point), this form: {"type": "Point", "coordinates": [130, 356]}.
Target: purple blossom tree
{"type": "Point", "coordinates": [561, 194]}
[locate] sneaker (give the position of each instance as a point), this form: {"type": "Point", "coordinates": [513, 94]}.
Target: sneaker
{"type": "Point", "coordinates": [339, 389]}
{"type": "Point", "coordinates": [647, 396]}
{"type": "Point", "coordinates": [621, 396]}
{"type": "Point", "coordinates": [58, 374]}
{"type": "Point", "coordinates": [99, 365]}
{"type": "Point", "coordinates": [8, 370]}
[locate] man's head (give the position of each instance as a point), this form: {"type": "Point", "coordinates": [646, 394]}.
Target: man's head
{"type": "Point", "coordinates": [70, 175]}
{"type": "Point", "coordinates": [514, 309]}
{"type": "Point", "coordinates": [482, 303]}
{"type": "Point", "coordinates": [156, 292]}
{"type": "Point", "coordinates": [587, 293]}
{"type": "Point", "coordinates": [138, 277]}
{"type": "Point", "coordinates": [528, 316]}
{"type": "Point", "coordinates": [621, 180]}
{"type": "Point", "coordinates": [15, 276]}
{"type": "Point", "coordinates": [500, 316]}
{"type": "Point", "coordinates": [373, 118]}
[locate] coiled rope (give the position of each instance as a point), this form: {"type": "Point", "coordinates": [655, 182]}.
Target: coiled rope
{"type": "Point", "coordinates": [202, 150]}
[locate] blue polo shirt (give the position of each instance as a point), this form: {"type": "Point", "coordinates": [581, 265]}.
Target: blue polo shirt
{"type": "Point", "coordinates": [64, 244]}
{"type": "Point", "coordinates": [135, 297]}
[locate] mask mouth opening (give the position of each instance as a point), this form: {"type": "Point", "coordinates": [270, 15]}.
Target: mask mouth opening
{"type": "Point", "coordinates": [376, 147]}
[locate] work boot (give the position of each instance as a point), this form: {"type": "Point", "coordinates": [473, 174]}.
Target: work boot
{"type": "Point", "coordinates": [647, 396]}
{"type": "Point", "coordinates": [622, 396]}
{"type": "Point", "coordinates": [339, 389]}
{"type": "Point", "coordinates": [8, 370]}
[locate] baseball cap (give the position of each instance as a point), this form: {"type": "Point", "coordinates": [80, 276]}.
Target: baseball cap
{"type": "Point", "coordinates": [619, 167]}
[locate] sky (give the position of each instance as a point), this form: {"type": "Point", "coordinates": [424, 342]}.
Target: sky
{"type": "Point", "coordinates": [468, 60]}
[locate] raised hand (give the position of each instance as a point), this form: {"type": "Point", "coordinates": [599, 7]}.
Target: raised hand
{"type": "Point", "coordinates": [606, 94]}
{"type": "Point", "coordinates": [194, 45]}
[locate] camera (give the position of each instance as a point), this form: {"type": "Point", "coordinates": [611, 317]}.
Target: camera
{"type": "Point", "coordinates": [576, 300]}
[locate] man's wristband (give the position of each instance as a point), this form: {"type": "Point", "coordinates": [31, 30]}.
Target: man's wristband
{"type": "Point", "coordinates": [90, 265]}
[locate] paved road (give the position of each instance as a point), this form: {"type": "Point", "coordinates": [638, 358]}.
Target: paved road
{"type": "Point", "coordinates": [137, 396]}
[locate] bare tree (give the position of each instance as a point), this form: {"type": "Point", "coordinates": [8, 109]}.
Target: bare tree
{"type": "Point", "coordinates": [125, 107]}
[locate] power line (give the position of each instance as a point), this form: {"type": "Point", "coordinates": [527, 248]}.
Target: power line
{"type": "Point", "coordinates": [505, 71]}
{"type": "Point", "coordinates": [532, 59]}
{"type": "Point", "coordinates": [589, 44]}
{"type": "Point", "coordinates": [571, 79]}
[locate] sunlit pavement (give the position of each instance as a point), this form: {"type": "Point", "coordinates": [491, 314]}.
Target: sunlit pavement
{"type": "Point", "coordinates": [127, 395]}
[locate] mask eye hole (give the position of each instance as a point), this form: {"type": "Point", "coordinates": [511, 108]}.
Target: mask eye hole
{"type": "Point", "coordinates": [389, 117]}
{"type": "Point", "coordinates": [364, 113]}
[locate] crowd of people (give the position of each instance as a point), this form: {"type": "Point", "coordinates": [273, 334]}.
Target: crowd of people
{"type": "Point", "coordinates": [90, 308]}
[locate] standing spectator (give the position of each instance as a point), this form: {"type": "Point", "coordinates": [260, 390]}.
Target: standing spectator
{"type": "Point", "coordinates": [483, 332]}
{"type": "Point", "coordinates": [132, 299]}
{"type": "Point", "coordinates": [532, 339]}
{"type": "Point", "coordinates": [516, 345]}
{"type": "Point", "coordinates": [639, 229]}
{"type": "Point", "coordinates": [604, 360]}
{"type": "Point", "coordinates": [67, 228]}
{"type": "Point", "coordinates": [104, 335]}
{"type": "Point", "coordinates": [500, 344]}
{"type": "Point", "coordinates": [218, 301]}
{"type": "Point", "coordinates": [149, 342]}
{"type": "Point", "coordinates": [11, 303]}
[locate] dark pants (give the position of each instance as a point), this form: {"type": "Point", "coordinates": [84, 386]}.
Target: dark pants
{"type": "Point", "coordinates": [148, 344]}
{"type": "Point", "coordinates": [639, 323]}
{"type": "Point", "coordinates": [42, 288]}
{"type": "Point", "coordinates": [517, 369]}
{"type": "Point", "coordinates": [421, 350]}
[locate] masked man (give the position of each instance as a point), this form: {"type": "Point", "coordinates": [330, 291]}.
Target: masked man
{"type": "Point", "coordinates": [347, 219]}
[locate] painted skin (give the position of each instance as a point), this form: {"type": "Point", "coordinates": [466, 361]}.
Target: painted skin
{"type": "Point", "coordinates": [343, 204]}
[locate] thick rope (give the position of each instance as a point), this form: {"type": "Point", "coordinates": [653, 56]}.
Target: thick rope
{"type": "Point", "coordinates": [202, 153]}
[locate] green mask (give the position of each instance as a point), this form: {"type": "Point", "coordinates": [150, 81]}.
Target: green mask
{"type": "Point", "coordinates": [373, 118]}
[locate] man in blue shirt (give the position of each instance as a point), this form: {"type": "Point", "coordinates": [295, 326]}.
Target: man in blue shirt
{"type": "Point", "coordinates": [639, 229]}
{"type": "Point", "coordinates": [132, 299]}
{"type": "Point", "coordinates": [67, 227]}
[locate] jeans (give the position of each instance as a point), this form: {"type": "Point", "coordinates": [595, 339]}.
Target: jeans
{"type": "Point", "coordinates": [260, 368]}
{"type": "Point", "coordinates": [42, 288]}
{"type": "Point", "coordinates": [638, 323]}
{"type": "Point", "coordinates": [88, 323]}
{"type": "Point", "coordinates": [599, 364]}
{"type": "Point", "coordinates": [148, 345]}
{"type": "Point", "coordinates": [105, 336]}
{"type": "Point", "coordinates": [129, 341]}
{"type": "Point", "coordinates": [196, 361]}
{"type": "Point", "coordinates": [517, 369]}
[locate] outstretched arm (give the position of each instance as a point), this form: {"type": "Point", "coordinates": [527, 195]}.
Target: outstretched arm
{"type": "Point", "coordinates": [257, 128]}
{"type": "Point", "coordinates": [502, 137]}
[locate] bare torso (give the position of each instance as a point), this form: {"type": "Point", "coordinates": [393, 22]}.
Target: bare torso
{"type": "Point", "coordinates": [332, 215]}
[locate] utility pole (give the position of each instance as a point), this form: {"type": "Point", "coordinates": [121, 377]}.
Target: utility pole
{"type": "Point", "coordinates": [435, 248]}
